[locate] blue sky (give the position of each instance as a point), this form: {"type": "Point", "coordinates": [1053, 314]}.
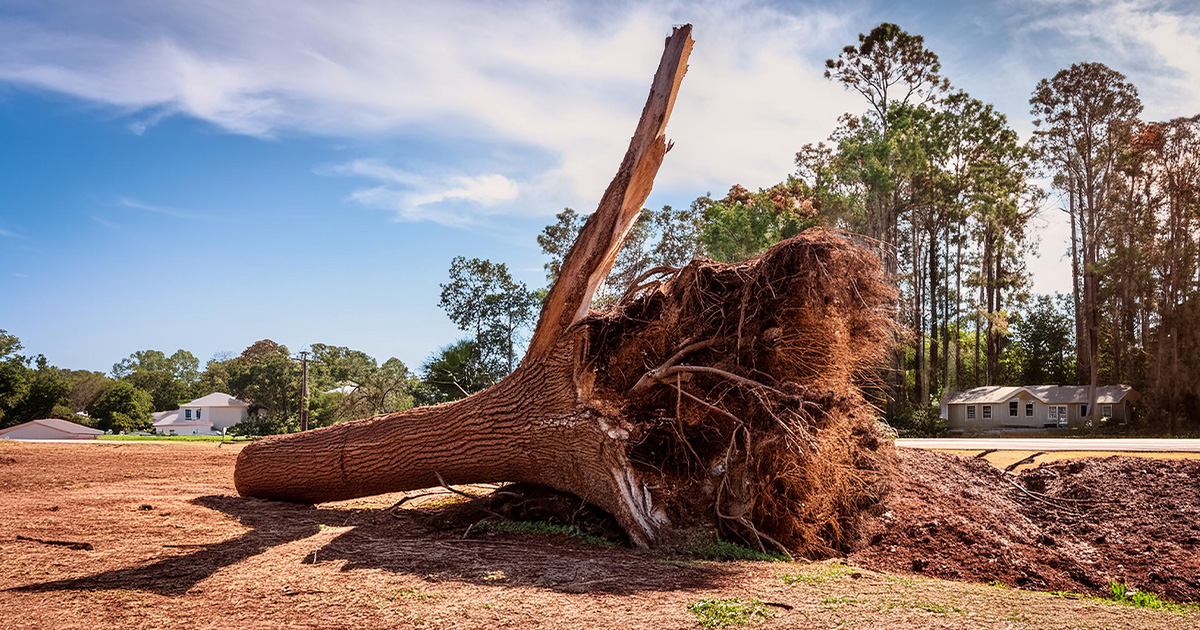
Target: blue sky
{"type": "Point", "coordinates": [202, 175]}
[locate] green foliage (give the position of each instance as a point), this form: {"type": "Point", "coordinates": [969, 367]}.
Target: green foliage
{"type": "Point", "coordinates": [457, 371]}
{"type": "Point", "coordinates": [666, 237]}
{"type": "Point", "coordinates": [166, 438]}
{"type": "Point", "coordinates": [889, 66]}
{"type": "Point", "coordinates": [744, 224]}
{"type": "Point", "coordinates": [1144, 599]}
{"type": "Point", "coordinates": [729, 611]}
{"type": "Point", "coordinates": [820, 574]}
{"type": "Point", "coordinates": [483, 299]}
{"type": "Point", "coordinates": [541, 528]}
{"type": "Point", "coordinates": [1045, 335]}
{"type": "Point", "coordinates": [167, 379]}
{"type": "Point", "coordinates": [122, 407]}
{"type": "Point", "coordinates": [723, 550]}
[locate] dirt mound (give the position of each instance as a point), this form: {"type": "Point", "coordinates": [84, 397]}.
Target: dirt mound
{"type": "Point", "coordinates": [1069, 526]}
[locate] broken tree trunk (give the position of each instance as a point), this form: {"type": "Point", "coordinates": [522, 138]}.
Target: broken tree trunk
{"type": "Point", "coordinates": [723, 395]}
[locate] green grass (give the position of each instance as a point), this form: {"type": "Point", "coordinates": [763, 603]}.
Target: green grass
{"type": "Point", "coordinates": [169, 438]}
{"type": "Point", "coordinates": [939, 609]}
{"type": "Point", "coordinates": [717, 549]}
{"type": "Point", "coordinates": [1122, 594]}
{"type": "Point", "coordinates": [820, 575]}
{"type": "Point", "coordinates": [541, 528]}
{"type": "Point", "coordinates": [730, 611]}
{"type": "Point", "coordinates": [1144, 599]}
{"type": "Point", "coordinates": [834, 602]}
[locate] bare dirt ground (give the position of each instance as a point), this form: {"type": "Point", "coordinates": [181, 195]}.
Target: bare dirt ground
{"type": "Point", "coordinates": [1073, 525]}
{"type": "Point", "coordinates": [173, 546]}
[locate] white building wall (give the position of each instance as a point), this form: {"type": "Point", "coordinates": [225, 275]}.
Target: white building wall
{"type": "Point", "coordinates": [220, 417]}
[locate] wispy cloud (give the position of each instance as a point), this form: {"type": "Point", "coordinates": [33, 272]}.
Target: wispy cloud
{"type": "Point", "coordinates": [106, 223]}
{"type": "Point", "coordinates": [128, 202]}
{"type": "Point", "coordinates": [17, 274]}
{"type": "Point", "coordinates": [8, 234]}
{"type": "Point", "coordinates": [454, 201]}
{"type": "Point", "coordinates": [556, 78]}
{"type": "Point", "coordinates": [1156, 43]}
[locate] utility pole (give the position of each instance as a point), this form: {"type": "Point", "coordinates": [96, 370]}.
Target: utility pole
{"type": "Point", "coordinates": [304, 390]}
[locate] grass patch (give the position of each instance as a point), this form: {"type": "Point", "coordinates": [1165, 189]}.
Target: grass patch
{"type": "Point", "coordinates": [834, 602]}
{"type": "Point", "coordinates": [717, 549]}
{"type": "Point", "coordinates": [541, 528]}
{"type": "Point", "coordinates": [730, 611]}
{"type": "Point", "coordinates": [820, 575]}
{"type": "Point", "coordinates": [939, 609]}
{"type": "Point", "coordinates": [1144, 599]}
{"type": "Point", "coordinates": [171, 438]}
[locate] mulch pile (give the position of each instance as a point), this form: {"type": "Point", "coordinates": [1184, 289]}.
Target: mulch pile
{"type": "Point", "coordinates": [1069, 526]}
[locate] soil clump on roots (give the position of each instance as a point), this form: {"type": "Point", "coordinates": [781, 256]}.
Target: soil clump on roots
{"type": "Point", "coordinates": [1069, 526]}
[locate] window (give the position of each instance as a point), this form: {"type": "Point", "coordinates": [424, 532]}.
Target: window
{"type": "Point", "coordinates": [198, 413]}
{"type": "Point", "coordinates": [187, 414]}
{"type": "Point", "coordinates": [1012, 409]}
{"type": "Point", "coordinates": [987, 412]}
{"type": "Point", "coordinates": [1106, 411]}
{"type": "Point", "coordinates": [1082, 411]}
{"type": "Point", "coordinates": [1062, 416]}
{"type": "Point", "coordinates": [1029, 410]}
{"type": "Point", "coordinates": [1054, 413]}
{"type": "Point", "coordinates": [970, 412]}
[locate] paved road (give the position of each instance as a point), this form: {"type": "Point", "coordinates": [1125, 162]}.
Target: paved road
{"type": "Point", "coordinates": [1055, 444]}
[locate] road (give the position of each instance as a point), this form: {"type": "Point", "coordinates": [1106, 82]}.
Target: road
{"type": "Point", "coordinates": [1127, 445]}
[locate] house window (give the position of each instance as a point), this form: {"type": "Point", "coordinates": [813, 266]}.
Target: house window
{"type": "Point", "coordinates": [198, 414]}
{"type": "Point", "coordinates": [1082, 411]}
{"type": "Point", "coordinates": [970, 412]}
{"type": "Point", "coordinates": [1012, 409]}
{"type": "Point", "coordinates": [187, 414]}
{"type": "Point", "coordinates": [987, 412]}
{"type": "Point", "coordinates": [1106, 411]}
{"type": "Point", "coordinates": [1028, 410]}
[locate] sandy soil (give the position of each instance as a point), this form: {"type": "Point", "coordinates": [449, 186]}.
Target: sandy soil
{"type": "Point", "coordinates": [173, 546]}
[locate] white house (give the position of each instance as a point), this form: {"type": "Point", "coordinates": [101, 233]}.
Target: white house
{"type": "Point", "coordinates": [49, 429]}
{"type": "Point", "coordinates": [1034, 406]}
{"type": "Point", "coordinates": [209, 414]}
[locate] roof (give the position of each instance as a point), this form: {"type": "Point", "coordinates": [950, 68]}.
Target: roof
{"type": "Point", "coordinates": [1049, 394]}
{"type": "Point", "coordinates": [66, 426]}
{"type": "Point", "coordinates": [216, 399]}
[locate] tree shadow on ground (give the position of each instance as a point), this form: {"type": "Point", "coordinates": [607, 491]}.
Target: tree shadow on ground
{"type": "Point", "coordinates": [397, 541]}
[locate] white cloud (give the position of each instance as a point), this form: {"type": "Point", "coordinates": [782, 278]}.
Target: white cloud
{"type": "Point", "coordinates": [565, 81]}
{"type": "Point", "coordinates": [414, 197]}
{"type": "Point", "coordinates": [129, 202]}
{"type": "Point", "coordinates": [7, 234]}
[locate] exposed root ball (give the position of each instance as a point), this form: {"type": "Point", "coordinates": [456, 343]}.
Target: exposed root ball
{"type": "Point", "coordinates": [740, 386]}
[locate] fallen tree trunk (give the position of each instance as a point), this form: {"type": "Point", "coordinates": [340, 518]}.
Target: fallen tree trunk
{"type": "Point", "coordinates": [725, 395]}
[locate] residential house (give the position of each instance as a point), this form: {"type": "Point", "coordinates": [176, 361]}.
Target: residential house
{"type": "Point", "coordinates": [49, 429]}
{"type": "Point", "coordinates": [1035, 406]}
{"type": "Point", "coordinates": [211, 414]}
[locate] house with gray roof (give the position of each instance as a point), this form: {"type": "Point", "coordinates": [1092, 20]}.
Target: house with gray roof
{"type": "Point", "coordinates": [1035, 406]}
{"type": "Point", "coordinates": [211, 414]}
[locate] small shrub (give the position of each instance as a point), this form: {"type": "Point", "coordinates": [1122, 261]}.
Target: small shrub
{"type": "Point", "coordinates": [1144, 599]}
{"type": "Point", "coordinates": [543, 528]}
{"type": "Point", "coordinates": [730, 611]}
{"type": "Point", "coordinates": [717, 549]}
{"type": "Point", "coordinates": [820, 575]}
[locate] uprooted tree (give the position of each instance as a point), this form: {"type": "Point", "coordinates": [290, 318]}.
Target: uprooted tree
{"type": "Point", "coordinates": [710, 395]}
